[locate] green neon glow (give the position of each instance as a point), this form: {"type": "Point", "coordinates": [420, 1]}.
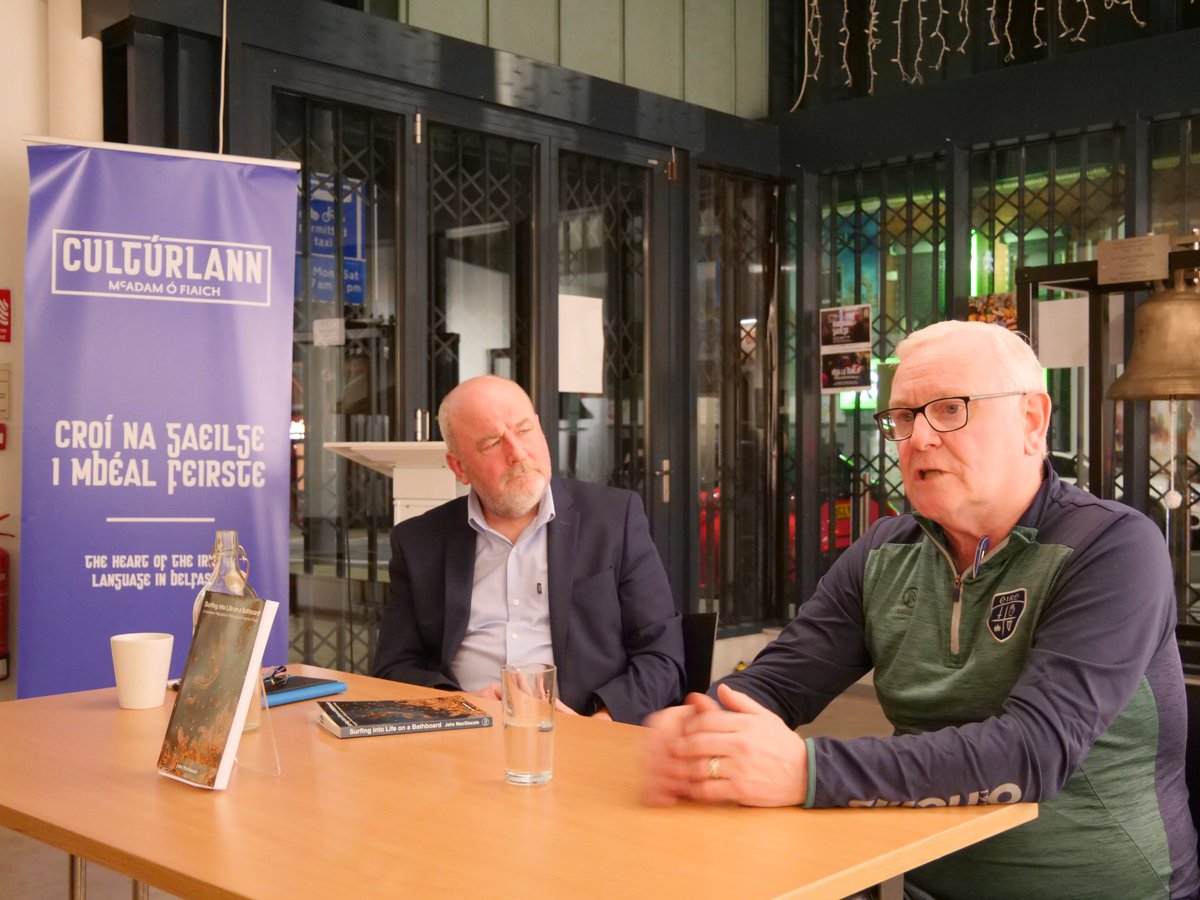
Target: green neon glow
{"type": "Point", "coordinates": [974, 264]}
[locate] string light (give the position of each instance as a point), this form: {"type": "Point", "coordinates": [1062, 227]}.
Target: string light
{"type": "Point", "coordinates": [1109, 4]}
{"type": "Point", "coordinates": [806, 42]}
{"type": "Point", "coordinates": [899, 57]}
{"type": "Point", "coordinates": [873, 41]}
{"type": "Point", "coordinates": [844, 43]}
{"type": "Point", "coordinates": [937, 33]}
{"type": "Point", "coordinates": [921, 19]}
{"type": "Point", "coordinates": [812, 38]}
{"type": "Point", "coordinates": [1009, 56]}
{"type": "Point", "coordinates": [911, 71]}
{"type": "Point", "coordinates": [1087, 17]}
{"type": "Point", "coordinates": [817, 28]}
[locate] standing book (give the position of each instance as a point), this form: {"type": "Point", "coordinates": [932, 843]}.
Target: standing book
{"type": "Point", "coordinates": [367, 718]}
{"type": "Point", "coordinates": [223, 667]}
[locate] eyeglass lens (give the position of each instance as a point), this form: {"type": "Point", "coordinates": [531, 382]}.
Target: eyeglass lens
{"type": "Point", "coordinates": [947, 414]}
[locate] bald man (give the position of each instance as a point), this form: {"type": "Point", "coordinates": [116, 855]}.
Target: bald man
{"type": "Point", "coordinates": [529, 568]}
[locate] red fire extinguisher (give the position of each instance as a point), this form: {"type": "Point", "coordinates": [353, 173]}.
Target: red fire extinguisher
{"type": "Point", "coordinates": [4, 605]}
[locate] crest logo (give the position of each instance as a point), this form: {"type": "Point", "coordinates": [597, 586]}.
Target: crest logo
{"type": "Point", "coordinates": [1005, 614]}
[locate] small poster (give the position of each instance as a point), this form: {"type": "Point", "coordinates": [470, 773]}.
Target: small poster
{"type": "Point", "coordinates": [846, 348]}
{"type": "Point", "coordinates": [999, 309]}
{"type": "Point", "coordinates": [846, 372]}
{"type": "Point", "coordinates": [846, 328]}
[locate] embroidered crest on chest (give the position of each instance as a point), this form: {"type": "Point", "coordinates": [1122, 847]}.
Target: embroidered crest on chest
{"type": "Point", "coordinates": [1005, 613]}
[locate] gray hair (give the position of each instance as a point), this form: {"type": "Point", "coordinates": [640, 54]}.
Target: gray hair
{"type": "Point", "coordinates": [445, 415]}
{"type": "Point", "coordinates": [1019, 368]}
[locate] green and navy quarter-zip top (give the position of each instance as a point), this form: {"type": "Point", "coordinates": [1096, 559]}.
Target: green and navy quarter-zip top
{"type": "Point", "coordinates": [1047, 672]}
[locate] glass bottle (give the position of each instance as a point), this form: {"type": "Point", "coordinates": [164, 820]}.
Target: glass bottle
{"type": "Point", "coordinates": [228, 578]}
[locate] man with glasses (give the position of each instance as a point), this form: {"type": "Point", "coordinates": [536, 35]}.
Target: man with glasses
{"type": "Point", "coordinates": [1021, 634]}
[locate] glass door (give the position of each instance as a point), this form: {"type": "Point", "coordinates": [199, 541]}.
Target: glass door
{"type": "Point", "coordinates": [602, 217]}
{"type": "Point", "coordinates": [344, 373]}
{"type": "Point", "coordinates": [614, 348]}
{"type": "Point", "coordinates": [481, 197]}
{"type": "Point", "coordinates": [735, 402]}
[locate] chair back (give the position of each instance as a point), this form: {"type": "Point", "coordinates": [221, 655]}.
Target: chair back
{"type": "Point", "coordinates": [1191, 766]}
{"type": "Point", "coordinates": [1187, 636]}
{"type": "Point", "coordinates": [699, 637]}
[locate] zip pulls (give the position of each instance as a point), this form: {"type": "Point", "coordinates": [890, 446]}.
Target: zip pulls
{"type": "Point", "coordinates": [956, 615]}
{"type": "Point", "coordinates": [956, 606]}
{"type": "Point", "coordinates": [980, 552]}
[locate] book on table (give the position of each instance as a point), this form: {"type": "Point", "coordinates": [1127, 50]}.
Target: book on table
{"type": "Point", "coordinates": [367, 718]}
{"type": "Point", "coordinates": [216, 690]}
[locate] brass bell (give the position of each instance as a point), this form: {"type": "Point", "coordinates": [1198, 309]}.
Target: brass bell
{"type": "Point", "coordinates": [1165, 358]}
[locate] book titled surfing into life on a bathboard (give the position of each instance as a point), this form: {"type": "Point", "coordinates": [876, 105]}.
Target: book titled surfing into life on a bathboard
{"type": "Point", "coordinates": [367, 718]}
{"type": "Point", "coordinates": [216, 690]}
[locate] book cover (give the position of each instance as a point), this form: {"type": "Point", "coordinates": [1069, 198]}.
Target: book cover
{"type": "Point", "coordinates": [301, 687]}
{"type": "Point", "coordinates": [216, 689]}
{"type": "Point", "coordinates": [366, 718]}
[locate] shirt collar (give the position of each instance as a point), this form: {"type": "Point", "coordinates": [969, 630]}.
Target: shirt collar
{"type": "Point", "coordinates": [476, 520]}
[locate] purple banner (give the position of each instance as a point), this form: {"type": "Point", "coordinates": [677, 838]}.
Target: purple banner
{"type": "Point", "coordinates": [157, 397]}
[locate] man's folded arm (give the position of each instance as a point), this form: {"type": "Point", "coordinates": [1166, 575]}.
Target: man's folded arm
{"type": "Point", "coordinates": [1111, 612]}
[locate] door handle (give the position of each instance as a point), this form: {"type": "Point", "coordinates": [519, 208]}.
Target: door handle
{"type": "Point", "coordinates": [665, 474]}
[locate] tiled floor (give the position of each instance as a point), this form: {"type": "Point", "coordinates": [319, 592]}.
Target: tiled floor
{"type": "Point", "coordinates": [30, 870]}
{"type": "Point", "coordinates": [854, 714]}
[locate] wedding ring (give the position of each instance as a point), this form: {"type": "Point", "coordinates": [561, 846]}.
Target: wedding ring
{"type": "Point", "coordinates": [714, 767]}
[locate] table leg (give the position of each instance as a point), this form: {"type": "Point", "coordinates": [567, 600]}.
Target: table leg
{"type": "Point", "coordinates": [892, 889]}
{"type": "Point", "coordinates": [141, 890]}
{"type": "Point", "coordinates": [76, 877]}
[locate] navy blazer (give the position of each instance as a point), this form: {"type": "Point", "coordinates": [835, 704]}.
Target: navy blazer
{"type": "Point", "coordinates": [615, 632]}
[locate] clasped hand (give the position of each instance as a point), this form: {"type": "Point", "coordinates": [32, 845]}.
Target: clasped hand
{"type": "Point", "coordinates": [492, 692]}
{"type": "Point", "coordinates": [743, 753]}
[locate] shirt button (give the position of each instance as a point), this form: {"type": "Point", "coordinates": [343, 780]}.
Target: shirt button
{"type": "Point", "coordinates": [513, 635]}
{"type": "Point", "coordinates": [516, 602]}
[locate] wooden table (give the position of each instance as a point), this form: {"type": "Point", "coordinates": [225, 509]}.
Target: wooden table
{"type": "Point", "coordinates": [429, 815]}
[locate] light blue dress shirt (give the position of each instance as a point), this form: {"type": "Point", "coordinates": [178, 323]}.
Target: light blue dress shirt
{"type": "Point", "coordinates": [510, 599]}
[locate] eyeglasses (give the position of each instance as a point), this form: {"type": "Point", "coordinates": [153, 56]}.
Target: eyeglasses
{"type": "Point", "coordinates": [944, 414]}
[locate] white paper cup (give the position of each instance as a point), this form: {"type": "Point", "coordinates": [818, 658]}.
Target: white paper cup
{"type": "Point", "coordinates": [141, 662]}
